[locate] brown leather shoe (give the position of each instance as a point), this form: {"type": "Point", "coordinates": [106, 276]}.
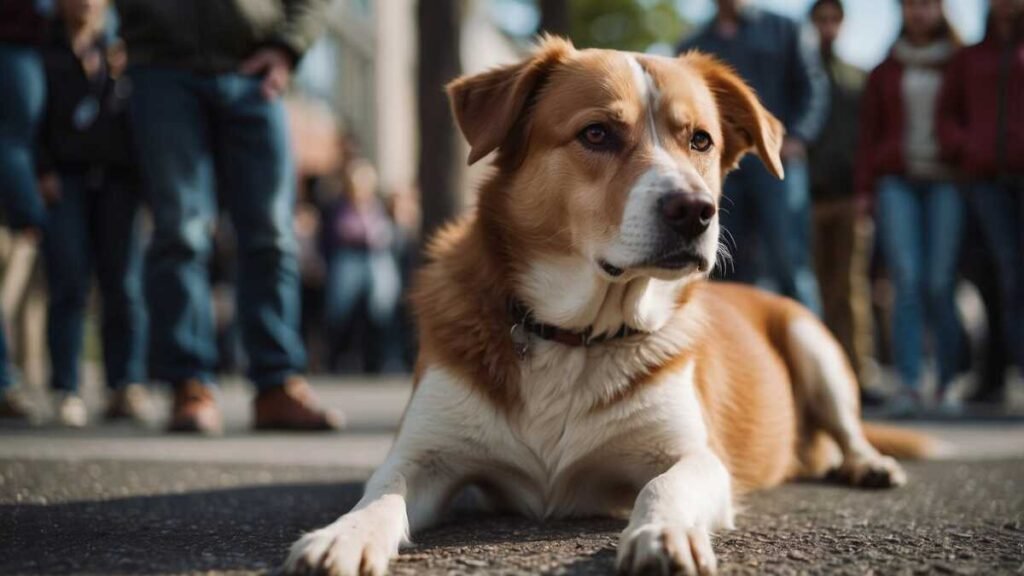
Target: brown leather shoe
{"type": "Point", "coordinates": [195, 409]}
{"type": "Point", "coordinates": [293, 406]}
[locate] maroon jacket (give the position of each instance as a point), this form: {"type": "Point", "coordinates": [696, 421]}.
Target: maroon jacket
{"type": "Point", "coordinates": [981, 109]}
{"type": "Point", "coordinates": [880, 148]}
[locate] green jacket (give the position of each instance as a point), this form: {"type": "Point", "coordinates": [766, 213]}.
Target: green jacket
{"type": "Point", "coordinates": [212, 36]}
{"type": "Point", "coordinates": [831, 157]}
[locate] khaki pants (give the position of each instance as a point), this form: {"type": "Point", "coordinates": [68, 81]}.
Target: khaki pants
{"type": "Point", "coordinates": [842, 253]}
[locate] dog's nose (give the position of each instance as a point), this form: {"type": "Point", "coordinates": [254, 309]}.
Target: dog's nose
{"type": "Point", "coordinates": [688, 213]}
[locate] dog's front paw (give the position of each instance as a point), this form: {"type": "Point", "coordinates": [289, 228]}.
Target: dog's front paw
{"type": "Point", "coordinates": [875, 471]}
{"type": "Point", "coordinates": [666, 549]}
{"type": "Point", "coordinates": [346, 548]}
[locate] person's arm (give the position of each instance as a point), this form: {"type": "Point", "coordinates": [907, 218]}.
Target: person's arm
{"type": "Point", "coordinates": [303, 23]}
{"type": "Point", "coordinates": [809, 87]}
{"type": "Point", "coordinates": [951, 114]}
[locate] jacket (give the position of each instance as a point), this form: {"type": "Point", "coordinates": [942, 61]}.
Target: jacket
{"type": "Point", "coordinates": [85, 123]}
{"type": "Point", "coordinates": [24, 21]}
{"type": "Point", "coordinates": [981, 110]}
{"type": "Point", "coordinates": [881, 143]}
{"type": "Point", "coordinates": [831, 157]}
{"type": "Point", "coordinates": [215, 36]}
{"type": "Point", "coordinates": [769, 53]}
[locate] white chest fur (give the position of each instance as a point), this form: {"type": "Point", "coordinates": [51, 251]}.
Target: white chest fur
{"type": "Point", "coordinates": [566, 450]}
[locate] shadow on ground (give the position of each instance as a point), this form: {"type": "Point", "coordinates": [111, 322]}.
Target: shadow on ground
{"type": "Point", "coordinates": [953, 518]}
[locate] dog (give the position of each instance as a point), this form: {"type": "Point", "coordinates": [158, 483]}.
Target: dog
{"type": "Point", "coordinates": [574, 360]}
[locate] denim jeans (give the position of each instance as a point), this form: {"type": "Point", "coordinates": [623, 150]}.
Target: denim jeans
{"type": "Point", "coordinates": [195, 133]}
{"type": "Point", "coordinates": [93, 227]}
{"type": "Point", "coordinates": [22, 100]}
{"type": "Point", "coordinates": [1000, 210]}
{"type": "Point", "coordinates": [371, 278]}
{"type": "Point", "coordinates": [766, 223]}
{"type": "Point", "coordinates": [919, 226]}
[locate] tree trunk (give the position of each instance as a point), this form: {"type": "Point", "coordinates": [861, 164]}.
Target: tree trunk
{"type": "Point", "coordinates": [439, 63]}
{"type": "Point", "coordinates": [554, 17]}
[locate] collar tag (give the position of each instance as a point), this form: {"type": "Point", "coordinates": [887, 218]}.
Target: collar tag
{"type": "Point", "coordinates": [520, 340]}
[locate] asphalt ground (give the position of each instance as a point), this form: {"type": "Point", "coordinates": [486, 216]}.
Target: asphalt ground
{"type": "Point", "coordinates": [119, 500]}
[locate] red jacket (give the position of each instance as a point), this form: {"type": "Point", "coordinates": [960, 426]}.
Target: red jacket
{"type": "Point", "coordinates": [970, 126]}
{"type": "Point", "coordinates": [880, 141]}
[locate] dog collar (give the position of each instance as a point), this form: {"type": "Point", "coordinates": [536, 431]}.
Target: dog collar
{"type": "Point", "coordinates": [523, 325]}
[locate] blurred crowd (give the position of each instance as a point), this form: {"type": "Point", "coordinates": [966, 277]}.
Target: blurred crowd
{"type": "Point", "coordinates": [903, 194]}
{"type": "Point", "coordinates": [155, 160]}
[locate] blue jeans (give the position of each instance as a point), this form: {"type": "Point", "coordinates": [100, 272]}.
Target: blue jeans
{"type": "Point", "coordinates": [22, 99]}
{"type": "Point", "coordinates": [93, 227]}
{"type": "Point", "coordinates": [358, 276]}
{"type": "Point", "coordinates": [195, 133]}
{"type": "Point", "coordinates": [1000, 210]}
{"type": "Point", "coordinates": [920, 225]}
{"type": "Point", "coordinates": [766, 223]}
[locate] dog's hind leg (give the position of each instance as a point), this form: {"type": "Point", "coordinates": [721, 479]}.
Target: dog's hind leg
{"type": "Point", "coordinates": [826, 391]}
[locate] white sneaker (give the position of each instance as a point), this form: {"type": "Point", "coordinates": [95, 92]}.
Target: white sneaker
{"type": "Point", "coordinates": [951, 403]}
{"type": "Point", "coordinates": [71, 411]}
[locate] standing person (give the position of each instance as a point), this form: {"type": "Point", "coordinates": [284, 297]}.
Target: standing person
{"type": "Point", "coordinates": [981, 129]}
{"type": "Point", "coordinates": [23, 26]}
{"type": "Point", "coordinates": [841, 239]}
{"type": "Point", "coordinates": [208, 76]}
{"type": "Point", "coordinates": [87, 179]}
{"type": "Point", "coordinates": [760, 211]}
{"type": "Point", "coordinates": [917, 207]}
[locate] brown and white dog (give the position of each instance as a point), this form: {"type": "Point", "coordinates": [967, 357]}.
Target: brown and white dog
{"type": "Point", "coordinates": [574, 360]}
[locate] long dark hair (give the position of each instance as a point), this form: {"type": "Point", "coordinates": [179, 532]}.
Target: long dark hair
{"type": "Point", "coordinates": [943, 31]}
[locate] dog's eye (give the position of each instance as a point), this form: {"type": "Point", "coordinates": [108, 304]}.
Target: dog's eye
{"type": "Point", "coordinates": [701, 141]}
{"type": "Point", "coordinates": [598, 137]}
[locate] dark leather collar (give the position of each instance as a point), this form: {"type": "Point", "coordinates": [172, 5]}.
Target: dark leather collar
{"type": "Point", "coordinates": [523, 322]}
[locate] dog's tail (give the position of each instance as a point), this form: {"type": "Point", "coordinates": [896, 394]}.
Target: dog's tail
{"type": "Point", "coordinates": [902, 443]}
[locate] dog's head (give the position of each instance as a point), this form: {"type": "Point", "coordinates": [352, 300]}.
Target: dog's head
{"type": "Point", "coordinates": [614, 157]}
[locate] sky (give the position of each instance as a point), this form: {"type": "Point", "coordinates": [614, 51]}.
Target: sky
{"type": "Point", "coordinates": [870, 27]}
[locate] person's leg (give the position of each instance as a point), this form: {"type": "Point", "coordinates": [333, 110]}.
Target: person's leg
{"type": "Point", "coordinates": [382, 306]}
{"type": "Point", "coordinates": [172, 137]}
{"type": "Point", "coordinates": [66, 252]}
{"type": "Point", "coordinates": [348, 279]}
{"type": "Point", "coordinates": [257, 167]}
{"type": "Point", "coordinates": [833, 249]}
{"type": "Point", "coordinates": [900, 221]}
{"type": "Point", "coordinates": [22, 101]}
{"type": "Point", "coordinates": [997, 211]}
{"type": "Point", "coordinates": [943, 227]}
{"type": "Point", "coordinates": [783, 220]}
{"type": "Point", "coordinates": [118, 257]}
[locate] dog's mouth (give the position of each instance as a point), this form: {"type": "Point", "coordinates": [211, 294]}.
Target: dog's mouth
{"type": "Point", "coordinates": [677, 259]}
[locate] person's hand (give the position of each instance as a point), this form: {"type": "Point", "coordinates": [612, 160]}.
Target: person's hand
{"type": "Point", "coordinates": [793, 148]}
{"type": "Point", "coordinates": [274, 65]}
{"type": "Point", "coordinates": [49, 188]}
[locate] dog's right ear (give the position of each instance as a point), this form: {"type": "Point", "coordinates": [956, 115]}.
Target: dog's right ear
{"type": "Point", "coordinates": [487, 106]}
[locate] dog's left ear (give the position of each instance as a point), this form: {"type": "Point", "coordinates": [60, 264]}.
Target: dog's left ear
{"type": "Point", "coordinates": [487, 106]}
{"type": "Point", "coordinates": [746, 124]}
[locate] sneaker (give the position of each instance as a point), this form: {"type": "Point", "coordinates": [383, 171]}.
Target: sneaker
{"type": "Point", "coordinates": [71, 410]}
{"type": "Point", "coordinates": [904, 405]}
{"type": "Point", "coordinates": [951, 404]}
{"type": "Point", "coordinates": [14, 407]}
{"type": "Point", "coordinates": [293, 406]}
{"type": "Point", "coordinates": [195, 409]}
{"type": "Point", "coordinates": [130, 402]}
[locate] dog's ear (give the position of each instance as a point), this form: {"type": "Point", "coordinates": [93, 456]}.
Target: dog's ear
{"type": "Point", "coordinates": [487, 106]}
{"type": "Point", "coordinates": [746, 124]}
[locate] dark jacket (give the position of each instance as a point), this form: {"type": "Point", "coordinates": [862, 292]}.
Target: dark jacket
{"type": "Point", "coordinates": [768, 53]}
{"type": "Point", "coordinates": [832, 156]}
{"type": "Point", "coordinates": [981, 110]}
{"type": "Point", "coordinates": [881, 145]}
{"type": "Point", "coordinates": [214, 36]}
{"type": "Point", "coordinates": [24, 21]}
{"type": "Point", "coordinates": [85, 125]}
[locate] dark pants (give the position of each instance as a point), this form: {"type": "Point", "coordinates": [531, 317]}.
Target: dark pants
{"type": "Point", "coordinates": [93, 227]}
{"type": "Point", "coordinates": [192, 132]}
{"type": "Point", "coordinates": [22, 97]}
{"type": "Point", "coordinates": [371, 279]}
{"type": "Point", "coordinates": [766, 223]}
{"type": "Point", "coordinates": [1000, 209]}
